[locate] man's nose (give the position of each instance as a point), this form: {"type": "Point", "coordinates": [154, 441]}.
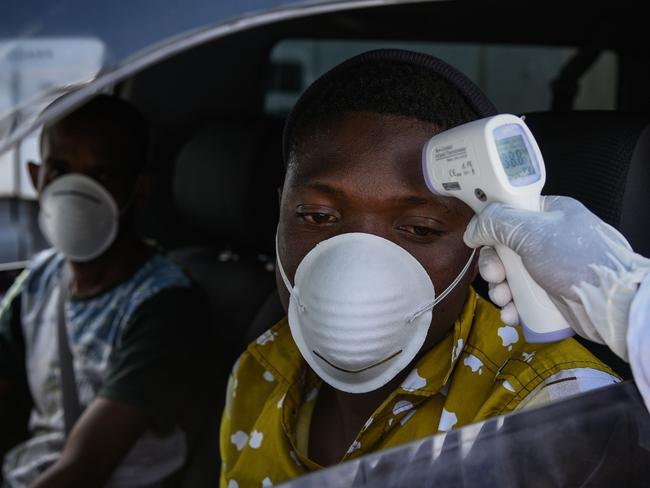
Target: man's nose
{"type": "Point", "coordinates": [370, 224]}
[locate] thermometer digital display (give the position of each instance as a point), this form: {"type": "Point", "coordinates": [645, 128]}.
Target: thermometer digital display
{"type": "Point", "coordinates": [497, 159]}
{"type": "Point", "coordinates": [517, 157]}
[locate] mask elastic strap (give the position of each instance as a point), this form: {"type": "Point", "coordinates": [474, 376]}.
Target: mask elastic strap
{"type": "Point", "coordinates": [444, 294]}
{"type": "Point", "coordinates": [287, 283]}
{"type": "Point", "coordinates": [293, 291]}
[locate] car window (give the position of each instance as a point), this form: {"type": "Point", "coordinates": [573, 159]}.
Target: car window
{"type": "Point", "coordinates": [516, 78]}
{"type": "Point", "coordinates": [602, 436]}
{"type": "Point", "coordinates": [32, 74]}
{"type": "Point", "coordinates": [152, 30]}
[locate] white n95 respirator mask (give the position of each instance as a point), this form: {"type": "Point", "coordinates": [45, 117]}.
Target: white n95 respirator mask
{"type": "Point", "coordinates": [360, 309]}
{"type": "Point", "coordinates": [78, 216]}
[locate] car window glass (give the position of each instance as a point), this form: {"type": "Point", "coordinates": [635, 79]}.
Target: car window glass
{"type": "Point", "coordinates": [33, 72]}
{"type": "Point", "coordinates": [516, 78]}
{"type": "Point", "coordinates": [602, 436]}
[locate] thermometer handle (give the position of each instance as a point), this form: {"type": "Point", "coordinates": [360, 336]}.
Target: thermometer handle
{"type": "Point", "coordinates": [541, 321]}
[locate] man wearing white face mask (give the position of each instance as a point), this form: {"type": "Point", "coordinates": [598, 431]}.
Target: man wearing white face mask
{"type": "Point", "coordinates": [109, 334]}
{"type": "Point", "coordinates": [385, 342]}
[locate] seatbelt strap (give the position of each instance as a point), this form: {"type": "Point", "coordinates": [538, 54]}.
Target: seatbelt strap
{"type": "Point", "coordinates": [71, 406]}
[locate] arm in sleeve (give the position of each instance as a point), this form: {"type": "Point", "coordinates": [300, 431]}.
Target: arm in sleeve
{"type": "Point", "coordinates": [224, 432]}
{"type": "Point", "coordinates": [12, 344]}
{"type": "Point", "coordinates": [638, 339]}
{"type": "Point", "coordinates": [99, 440]}
{"type": "Point", "coordinates": [15, 397]}
{"type": "Point", "coordinates": [162, 359]}
{"type": "Point", "coordinates": [246, 397]}
{"type": "Point", "coordinates": [151, 374]}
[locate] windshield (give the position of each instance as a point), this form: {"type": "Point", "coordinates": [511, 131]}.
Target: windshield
{"type": "Point", "coordinates": [32, 72]}
{"type": "Point", "coordinates": [78, 48]}
{"type": "Point", "coordinates": [608, 444]}
{"type": "Point", "coordinates": [517, 78]}
{"type": "Point", "coordinates": [108, 37]}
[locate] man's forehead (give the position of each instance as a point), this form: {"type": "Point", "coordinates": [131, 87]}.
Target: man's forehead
{"type": "Point", "coordinates": [351, 138]}
{"type": "Point", "coordinates": [91, 140]}
{"type": "Point", "coordinates": [369, 156]}
{"type": "Point", "coordinates": [400, 172]}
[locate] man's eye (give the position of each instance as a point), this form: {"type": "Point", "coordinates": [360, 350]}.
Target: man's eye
{"type": "Point", "coordinates": [319, 218]}
{"type": "Point", "coordinates": [317, 214]}
{"type": "Point", "coordinates": [420, 231]}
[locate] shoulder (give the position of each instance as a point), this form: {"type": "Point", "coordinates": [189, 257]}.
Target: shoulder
{"type": "Point", "coordinates": [490, 342]}
{"type": "Point", "coordinates": [269, 361]}
{"type": "Point", "coordinates": [159, 273]}
{"type": "Point", "coordinates": [11, 299]}
{"type": "Point", "coordinates": [175, 317]}
{"type": "Point", "coordinates": [566, 383]}
{"type": "Point", "coordinates": [506, 347]}
{"type": "Point", "coordinates": [530, 374]}
{"type": "Point", "coordinates": [546, 372]}
{"type": "Point", "coordinates": [169, 305]}
{"type": "Point", "coordinates": [259, 376]}
{"type": "Point", "coordinates": [276, 352]}
{"type": "Point", "coordinates": [43, 271]}
{"type": "Point", "coordinates": [157, 278]}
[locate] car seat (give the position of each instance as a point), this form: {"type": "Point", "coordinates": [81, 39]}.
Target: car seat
{"type": "Point", "coordinates": [225, 190]}
{"type": "Point", "coordinates": [601, 158]}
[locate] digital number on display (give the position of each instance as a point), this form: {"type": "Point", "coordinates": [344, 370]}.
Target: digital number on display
{"type": "Point", "coordinates": [515, 157]}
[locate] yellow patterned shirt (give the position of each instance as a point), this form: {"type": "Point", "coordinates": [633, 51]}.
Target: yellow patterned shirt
{"type": "Point", "coordinates": [481, 369]}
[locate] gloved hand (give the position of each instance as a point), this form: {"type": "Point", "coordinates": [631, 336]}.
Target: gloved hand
{"type": "Point", "coordinates": [586, 266]}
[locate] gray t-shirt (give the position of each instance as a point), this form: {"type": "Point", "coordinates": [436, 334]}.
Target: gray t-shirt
{"type": "Point", "coordinates": [141, 342]}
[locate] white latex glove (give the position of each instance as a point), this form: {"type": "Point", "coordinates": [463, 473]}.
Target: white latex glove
{"type": "Point", "coordinates": [586, 266]}
{"type": "Point", "coordinates": [638, 340]}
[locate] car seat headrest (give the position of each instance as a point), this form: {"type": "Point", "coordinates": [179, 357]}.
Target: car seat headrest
{"type": "Point", "coordinates": [601, 158]}
{"type": "Point", "coordinates": [226, 180]}
{"type": "Point", "coordinates": [212, 176]}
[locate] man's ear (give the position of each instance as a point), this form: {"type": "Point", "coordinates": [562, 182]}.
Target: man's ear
{"type": "Point", "coordinates": [34, 170]}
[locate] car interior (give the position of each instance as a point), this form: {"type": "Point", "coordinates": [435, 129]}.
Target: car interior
{"type": "Point", "coordinates": [217, 157]}
{"type": "Point", "coordinates": [218, 161]}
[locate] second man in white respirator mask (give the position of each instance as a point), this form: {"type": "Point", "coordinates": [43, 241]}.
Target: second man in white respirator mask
{"type": "Point", "coordinates": [109, 334]}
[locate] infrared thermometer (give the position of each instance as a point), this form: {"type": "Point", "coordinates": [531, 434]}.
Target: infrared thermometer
{"type": "Point", "coordinates": [496, 159]}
